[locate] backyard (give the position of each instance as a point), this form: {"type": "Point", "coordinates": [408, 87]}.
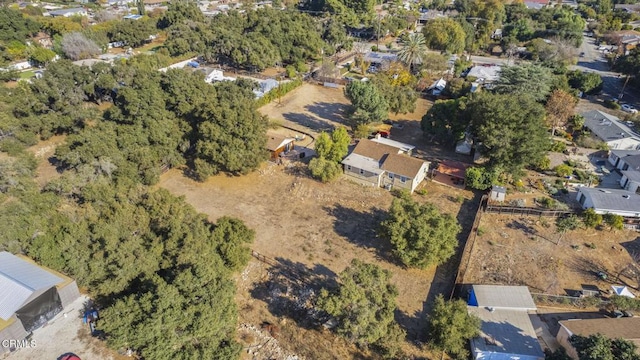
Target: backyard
{"type": "Point", "coordinates": [521, 250]}
{"type": "Point", "coordinates": [316, 108]}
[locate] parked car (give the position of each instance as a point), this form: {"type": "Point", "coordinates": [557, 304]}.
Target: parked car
{"type": "Point", "coordinates": [384, 134]}
{"type": "Point", "coordinates": [616, 314]}
{"type": "Point", "coordinates": [628, 108]}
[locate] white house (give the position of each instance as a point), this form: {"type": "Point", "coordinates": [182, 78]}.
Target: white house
{"type": "Point", "coordinates": [437, 87]}
{"type": "Point", "coordinates": [385, 163]}
{"type": "Point", "coordinates": [217, 75]}
{"type": "Point", "coordinates": [609, 129]}
{"type": "Point", "coordinates": [68, 12]}
{"type": "Point", "coordinates": [485, 74]}
{"type": "Point", "coordinates": [610, 201]}
{"type": "Point", "coordinates": [630, 181]}
{"type": "Point", "coordinates": [506, 331]}
{"type": "Point", "coordinates": [616, 155]}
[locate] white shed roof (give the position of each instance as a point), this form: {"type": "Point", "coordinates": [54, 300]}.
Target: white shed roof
{"type": "Point", "coordinates": [21, 282]}
{"type": "Point", "coordinates": [505, 335]}
{"type": "Point", "coordinates": [502, 297]}
{"type": "Point", "coordinates": [363, 162]}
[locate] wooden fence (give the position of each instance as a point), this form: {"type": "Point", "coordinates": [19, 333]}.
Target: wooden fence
{"type": "Point", "coordinates": [286, 271]}
{"type": "Point", "coordinates": [465, 258]}
{"type": "Point", "coordinates": [573, 301]}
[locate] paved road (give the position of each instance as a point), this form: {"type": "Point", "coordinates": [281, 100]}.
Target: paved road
{"type": "Point", "coordinates": [593, 60]}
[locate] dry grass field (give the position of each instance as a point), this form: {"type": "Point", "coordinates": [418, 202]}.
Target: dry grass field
{"type": "Point", "coordinates": [521, 250]}
{"type": "Point", "coordinates": [310, 232]}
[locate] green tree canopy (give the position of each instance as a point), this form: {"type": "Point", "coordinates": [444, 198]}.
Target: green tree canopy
{"type": "Point", "coordinates": [230, 133]}
{"type": "Point", "coordinates": [367, 103]}
{"type": "Point", "coordinates": [598, 347]}
{"type": "Point", "coordinates": [445, 34]}
{"type": "Point", "coordinates": [445, 121]}
{"type": "Point", "coordinates": [451, 327]}
{"type": "Point", "coordinates": [480, 178]}
{"type": "Point", "coordinates": [16, 27]}
{"type": "Point", "coordinates": [414, 48]}
{"type": "Point", "coordinates": [363, 304]}
{"type": "Point", "coordinates": [510, 139]}
{"type": "Point", "coordinates": [421, 236]}
{"type": "Point", "coordinates": [397, 87]}
{"type": "Point", "coordinates": [330, 150]}
{"type": "Point", "coordinates": [530, 80]}
{"type": "Point", "coordinates": [587, 82]}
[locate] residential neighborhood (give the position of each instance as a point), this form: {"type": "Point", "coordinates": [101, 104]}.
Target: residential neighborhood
{"type": "Point", "coordinates": [289, 180]}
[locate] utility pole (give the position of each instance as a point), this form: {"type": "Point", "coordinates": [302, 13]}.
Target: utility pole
{"type": "Point", "coordinates": [378, 31]}
{"type": "Point", "coordinates": [623, 87]}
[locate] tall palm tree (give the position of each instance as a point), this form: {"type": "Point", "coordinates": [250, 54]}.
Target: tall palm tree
{"type": "Point", "coordinates": [413, 49]}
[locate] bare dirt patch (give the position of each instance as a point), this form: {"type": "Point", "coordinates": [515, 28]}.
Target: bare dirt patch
{"type": "Point", "coordinates": [44, 152]}
{"type": "Point", "coordinates": [309, 232]}
{"type": "Point", "coordinates": [520, 250]}
{"type": "Point", "coordinates": [313, 106]}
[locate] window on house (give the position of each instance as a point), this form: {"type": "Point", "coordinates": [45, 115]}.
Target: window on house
{"type": "Point", "coordinates": [403, 179]}
{"type": "Point", "coordinates": [582, 199]}
{"type": "Point", "coordinates": [361, 172]}
{"type": "Point", "coordinates": [349, 167]}
{"type": "Point", "coordinates": [390, 175]}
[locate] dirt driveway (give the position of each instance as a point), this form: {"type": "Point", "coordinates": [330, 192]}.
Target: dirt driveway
{"type": "Point", "coordinates": [312, 231]}
{"type": "Point", "coordinates": [65, 334]}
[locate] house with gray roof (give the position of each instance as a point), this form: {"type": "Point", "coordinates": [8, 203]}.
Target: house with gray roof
{"type": "Point", "coordinates": [385, 163]}
{"type": "Point", "coordinates": [485, 74]}
{"type": "Point", "coordinates": [68, 12]}
{"type": "Point", "coordinates": [616, 155]}
{"type": "Point", "coordinates": [630, 181]}
{"type": "Point", "coordinates": [610, 201]}
{"type": "Point", "coordinates": [506, 331]}
{"type": "Point", "coordinates": [30, 296]}
{"type": "Point", "coordinates": [609, 129]}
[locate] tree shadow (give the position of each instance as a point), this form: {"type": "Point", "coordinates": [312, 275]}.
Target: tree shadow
{"type": "Point", "coordinates": [360, 228]}
{"type": "Point", "coordinates": [310, 121]}
{"type": "Point", "coordinates": [55, 162]}
{"type": "Point", "coordinates": [334, 112]}
{"type": "Point", "coordinates": [591, 269]}
{"type": "Point", "coordinates": [505, 337]}
{"type": "Point", "coordinates": [413, 324]}
{"type": "Point", "coordinates": [292, 288]}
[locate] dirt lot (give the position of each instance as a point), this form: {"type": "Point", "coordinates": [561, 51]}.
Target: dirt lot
{"type": "Point", "coordinates": [519, 250]}
{"type": "Point", "coordinates": [309, 232]}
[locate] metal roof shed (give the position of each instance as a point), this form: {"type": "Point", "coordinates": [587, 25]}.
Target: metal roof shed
{"type": "Point", "coordinates": [501, 297]}
{"type": "Point", "coordinates": [505, 335]}
{"type": "Point", "coordinates": [28, 291]}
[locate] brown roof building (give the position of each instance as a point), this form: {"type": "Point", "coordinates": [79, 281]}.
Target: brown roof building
{"type": "Point", "coordinates": [385, 163]}
{"type": "Point", "coordinates": [278, 144]}
{"type": "Point", "coordinates": [622, 328]}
